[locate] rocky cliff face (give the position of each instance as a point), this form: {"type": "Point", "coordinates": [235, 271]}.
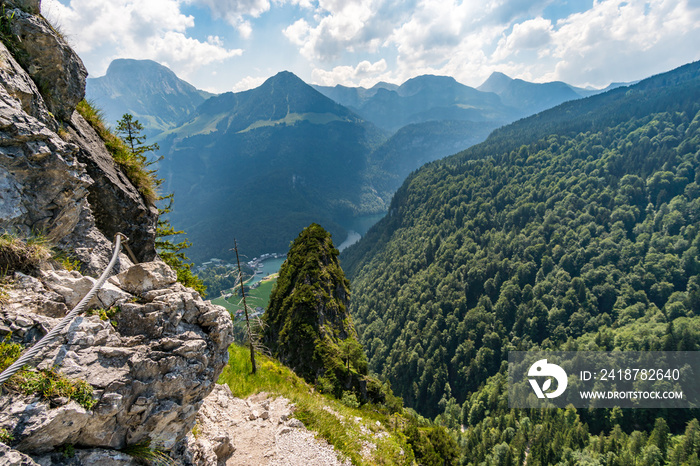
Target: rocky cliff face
{"type": "Point", "coordinates": [163, 350]}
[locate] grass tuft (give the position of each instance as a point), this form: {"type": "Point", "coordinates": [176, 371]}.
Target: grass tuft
{"type": "Point", "coordinates": [47, 383]}
{"type": "Point", "coordinates": [147, 453]}
{"type": "Point", "coordinates": [17, 255]}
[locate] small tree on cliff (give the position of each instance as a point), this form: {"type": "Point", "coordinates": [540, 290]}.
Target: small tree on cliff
{"type": "Point", "coordinates": [172, 253]}
{"type": "Point", "coordinates": [130, 129]}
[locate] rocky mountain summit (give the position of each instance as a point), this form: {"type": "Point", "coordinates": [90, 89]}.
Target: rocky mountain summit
{"type": "Point", "coordinates": [160, 352]}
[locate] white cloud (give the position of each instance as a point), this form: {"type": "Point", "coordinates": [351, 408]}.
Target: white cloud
{"type": "Point", "coordinates": [468, 39]}
{"type": "Point", "coordinates": [365, 74]}
{"type": "Point", "coordinates": [236, 11]}
{"type": "Point", "coordinates": [532, 34]}
{"type": "Point", "coordinates": [154, 29]}
{"type": "Point", "coordinates": [231, 8]}
{"type": "Point", "coordinates": [249, 82]}
{"type": "Point", "coordinates": [298, 32]}
{"type": "Point", "coordinates": [180, 53]}
{"type": "Point", "coordinates": [341, 26]}
{"type": "Point", "coordinates": [628, 39]}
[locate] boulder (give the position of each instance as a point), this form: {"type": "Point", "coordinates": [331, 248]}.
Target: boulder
{"type": "Point", "coordinates": [145, 277]}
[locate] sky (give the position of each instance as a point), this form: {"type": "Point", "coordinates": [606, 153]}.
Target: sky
{"type": "Point", "coordinates": [234, 45]}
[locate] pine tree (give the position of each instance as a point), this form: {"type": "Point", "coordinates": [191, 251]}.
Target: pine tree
{"type": "Point", "coordinates": [171, 253]}
{"type": "Point", "coordinates": [131, 129]}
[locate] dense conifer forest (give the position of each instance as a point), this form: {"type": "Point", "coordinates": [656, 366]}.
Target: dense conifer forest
{"type": "Point", "coordinates": [575, 229]}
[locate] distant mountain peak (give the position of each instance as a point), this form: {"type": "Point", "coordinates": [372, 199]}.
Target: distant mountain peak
{"type": "Point", "coordinates": [496, 82]}
{"type": "Point", "coordinates": [121, 64]}
{"type": "Point", "coordinates": [146, 89]}
{"type": "Point", "coordinates": [426, 81]}
{"type": "Point", "coordinates": [285, 79]}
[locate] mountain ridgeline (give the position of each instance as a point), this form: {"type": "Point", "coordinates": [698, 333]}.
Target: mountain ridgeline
{"type": "Point", "coordinates": [577, 228]}
{"type": "Point", "coordinates": [262, 164]}
{"type": "Point", "coordinates": [149, 91]}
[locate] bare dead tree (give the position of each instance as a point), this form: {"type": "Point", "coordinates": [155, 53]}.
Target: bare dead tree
{"type": "Point", "coordinates": [245, 308]}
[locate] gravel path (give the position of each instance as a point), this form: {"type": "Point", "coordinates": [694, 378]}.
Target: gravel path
{"type": "Point", "coordinates": [256, 431]}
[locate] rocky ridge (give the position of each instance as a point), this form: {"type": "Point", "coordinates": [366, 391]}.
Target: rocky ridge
{"type": "Point", "coordinates": [161, 353]}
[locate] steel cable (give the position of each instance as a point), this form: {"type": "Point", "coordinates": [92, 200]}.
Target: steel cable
{"type": "Point", "coordinates": [49, 337]}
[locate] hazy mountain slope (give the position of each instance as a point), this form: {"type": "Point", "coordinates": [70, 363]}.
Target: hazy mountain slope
{"type": "Point", "coordinates": [531, 98]}
{"type": "Point", "coordinates": [417, 144]}
{"type": "Point", "coordinates": [261, 165]}
{"type": "Point", "coordinates": [353, 97]}
{"type": "Point", "coordinates": [147, 90]}
{"type": "Point", "coordinates": [421, 99]}
{"type": "Point", "coordinates": [578, 221]}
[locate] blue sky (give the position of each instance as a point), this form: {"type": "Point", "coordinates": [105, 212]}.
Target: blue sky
{"type": "Point", "coordinates": [223, 45]}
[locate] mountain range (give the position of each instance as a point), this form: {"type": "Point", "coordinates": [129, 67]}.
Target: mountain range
{"type": "Point", "coordinates": [262, 164]}
{"type": "Point", "coordinates": [286, 153]}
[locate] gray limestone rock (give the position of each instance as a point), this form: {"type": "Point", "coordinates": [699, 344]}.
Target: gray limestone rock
{"type": "Point", "coordinates": [12, 457]}
{"type": "Point", "coordinates": [55, 68]}
{"type": "Point", "coordinates": [46, 187]}
{"type": "Point", "coordinates": [145, 277]}
{"type": "Point", "coordinates": [117, 205]}
{"type": "Point", "coordinates": [150, 372]}
{"type": "Point", "coordinates": [45, 184]}
{"type": "Point", "coordinates": [20, 86]}
{"type": "Point", "coordinates": [88, 457]}
{"type": "Point", "coordinates": [152, 364]}
{"type": "Point", "coordinates": [213, 443]}
{"type": "Point", "coordinates": [30, 6]}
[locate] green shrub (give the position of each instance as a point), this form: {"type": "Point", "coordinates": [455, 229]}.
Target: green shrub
{"type": "Point", "coordinates": [148, 453]}
{"type": "Point", "coordinates": [6, 436]}
{"type": "Point", "coordinates": [349, 399]}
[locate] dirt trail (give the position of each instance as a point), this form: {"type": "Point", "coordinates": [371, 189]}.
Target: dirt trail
{"type": "Point", "coordinates": [256, 431]}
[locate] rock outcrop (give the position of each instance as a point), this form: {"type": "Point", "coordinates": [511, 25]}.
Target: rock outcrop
{"type": "Point", "coordinates": [151, 363]}
{"type": "Point", "coordinates": [117, 205]}
{"type": "Point", "coordinates": [307, 324]}
{"type": "Point", "coordinates": [53, 65]}
{"type": "Point", "coordinates": [70, 190]}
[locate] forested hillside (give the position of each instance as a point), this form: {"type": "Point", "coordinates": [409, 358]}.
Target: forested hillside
{"type": "Point", "coordinates": [578, 228]}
